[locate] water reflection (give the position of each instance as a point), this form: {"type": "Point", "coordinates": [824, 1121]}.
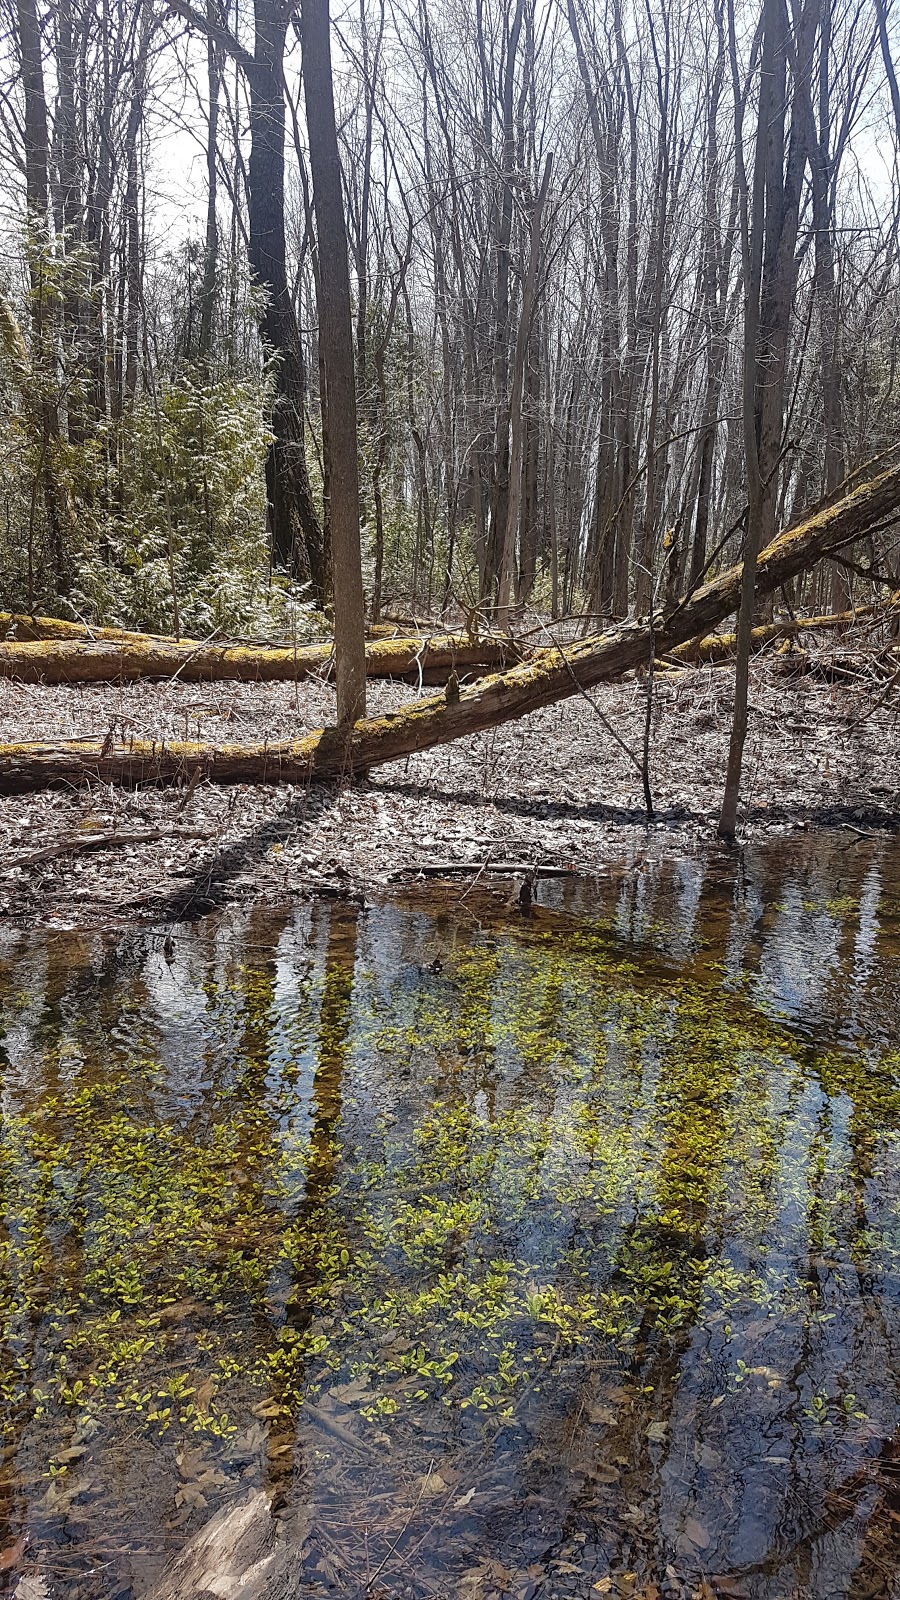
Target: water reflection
{"type": "Point", "coordinates": [531, 1257]}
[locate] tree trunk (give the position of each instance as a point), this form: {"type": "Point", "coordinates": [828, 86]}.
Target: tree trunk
{"type": "Point", "coordinates": [550, 677]}
{"type": "Point", "coordinates": [211, 250]}
{"type": "Point", "coordinates": [296, 532]}
{"type": "Point", "coordinates": [336, 341]}
{"type": "Point", "coordinates": [42, 398]}
{"type": "Point", "coordinates": [514, 501]}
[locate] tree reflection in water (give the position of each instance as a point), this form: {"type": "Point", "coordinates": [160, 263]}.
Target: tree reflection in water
{"type": "Point", "coordinates": [528, 1256]}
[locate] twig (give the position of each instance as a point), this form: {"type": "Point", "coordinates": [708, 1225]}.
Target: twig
{"type": "Point", "coordinates": [445, 869]}
{"type": "Point", "coordinates": [595, 708]}
{"type": "Point", "coordinates": [364, 1587]}
{"type": "Point", "coordinates": [104, 841]}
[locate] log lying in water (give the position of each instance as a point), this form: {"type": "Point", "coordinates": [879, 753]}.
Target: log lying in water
{"type": "Point", "coordinates": [233, 1557]}
{"type": "Point", "coordinates": [551, 676]}
{"type": "Point", "coordinates": [52, 661]}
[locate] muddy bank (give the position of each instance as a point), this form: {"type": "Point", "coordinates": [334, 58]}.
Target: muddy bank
{"type": "Point", "coordinates": [557, 788]}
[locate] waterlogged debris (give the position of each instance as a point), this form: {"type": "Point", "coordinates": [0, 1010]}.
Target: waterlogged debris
{"type": "Point", "coordinates": [267, 1409]}
{"type": "Point", "coordinates": [697, 1533]}
{"type": "Point", "coordinates": [656, 1432]}
{"type": "Point", "coordinates": [12, 1555]}
{"type": "Point", "coordinates": [32, 1587]}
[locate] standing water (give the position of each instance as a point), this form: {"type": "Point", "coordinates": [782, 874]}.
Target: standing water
{"type": "Point", "coordinates": [521, 1257]}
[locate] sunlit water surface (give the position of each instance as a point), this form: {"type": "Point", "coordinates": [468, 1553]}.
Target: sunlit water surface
{"type": "Point", "coordinates": [522, 1257]}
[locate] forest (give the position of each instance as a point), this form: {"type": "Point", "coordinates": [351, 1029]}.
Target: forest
{"type": "Point", "coordinates": [619, 307]}
{"type": "Point", "coordinates": [449, 799]}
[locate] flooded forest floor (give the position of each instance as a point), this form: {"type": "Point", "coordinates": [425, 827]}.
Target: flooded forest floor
{"type": "Point", "coordinates": [557, 788]}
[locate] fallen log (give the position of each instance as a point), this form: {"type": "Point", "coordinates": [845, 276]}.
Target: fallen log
{"type": "Point", "coordinates": [551, 676]}
{"type": "Point", "coordinates": [25, 626]}
{"type": "Point", "coordinates": [234, 1556]}
{"type": "Point", "coordinates": [21, 626]}
{"type": "Point", "coordinates": [53, 661]}
{"type": "Point", "coordinates": [722, 646]}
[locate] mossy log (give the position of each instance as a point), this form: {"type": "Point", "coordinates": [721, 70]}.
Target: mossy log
{"type": "Point", "coordinates": [53, 661]}
{"type": "Point", "coordinates": [551, 676]}
{"type": "Point", "coordinates": [23, 626]}
{"type": "Point", "coordinates": [722, 646]}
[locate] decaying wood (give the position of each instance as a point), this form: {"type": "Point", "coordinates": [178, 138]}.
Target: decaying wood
{"type": "Point", "coordinates": [28, 626]}
{"type": "Point", "coordinates": [551, 676]}
{"type": "Point", "coordinates": [129, 659]}
{"type": "Point", "coordinates": [233, 1557]}
{"type": "Point", "coordinates": [503, 869]}
{"type": "Point", "coordinates": [721, 646]}
{"type": "Point", "coordinates": [17, 625]}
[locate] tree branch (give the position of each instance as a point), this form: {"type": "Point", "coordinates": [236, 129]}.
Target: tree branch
{"type": "Point", "coordinates": [216, 31]}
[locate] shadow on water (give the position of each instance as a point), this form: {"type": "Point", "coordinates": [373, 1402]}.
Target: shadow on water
{"type": "Point", "coordinates": [520, 1257]}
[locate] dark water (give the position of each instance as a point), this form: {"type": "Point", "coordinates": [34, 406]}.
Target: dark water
{"type": "Point", "coordinates": [539, 1257]}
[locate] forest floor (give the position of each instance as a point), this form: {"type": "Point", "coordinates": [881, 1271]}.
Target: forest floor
{"type": "Point", "coordinates": [555, 788]}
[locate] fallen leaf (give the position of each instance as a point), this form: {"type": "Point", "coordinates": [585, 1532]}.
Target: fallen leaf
{"type": "Point", "coordinates": [602, 1586]}
{"type": "Point", "coordinates": [431, 1483]}
{"type": "Point", "coordinates": [347, 1393]}
{"type": "Point", "coordinates": [458, 1505]}
{"type": "Point", "coordinates": [696, 1533]}
{"type": "Point", "coordinates": [11, 1554]}
{"type": "Point", "coordinates": [656, 1431]}
{"type": "Point", "coordinates": [204, 1395]}
{"type": "Point", "coordinates": [566, 1567]}
{"type": "Point", "coordinates": [605, 1475]}
{"type": "Point", "coordinates": [32, 1587]}
{"type": "Point", "coordinates": [267, 1409]}
{"type": "Point", "coordinates": [602, 1416]}
{"type": "Point", "coordinates": [74, 1453]}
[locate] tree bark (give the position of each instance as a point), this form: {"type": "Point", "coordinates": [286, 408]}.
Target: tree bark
{"type": "Point", "coordinates": [526, 314]}
{"type": "Point", "coordinates": [550, 677]}
{"type": "Point", "coordinates": [129, 660]}
{"type": "Point", "coordinates": [336, 342]}
{"type": "Point", "coordinates": [296, 532]}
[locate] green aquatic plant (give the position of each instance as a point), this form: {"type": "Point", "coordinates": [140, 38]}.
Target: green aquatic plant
{"type": "Point", "coordinates": [435, 1190]}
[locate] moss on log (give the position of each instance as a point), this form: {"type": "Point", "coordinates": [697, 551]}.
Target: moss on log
{"type": "Point", "coordinates": [20, 625]}
{"type": "Point", "coordinates": [549, 677]}
{"type": "Point", "coordinates": [722, 646]}
{"type": "Point", "coordinates": [53, 661]}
